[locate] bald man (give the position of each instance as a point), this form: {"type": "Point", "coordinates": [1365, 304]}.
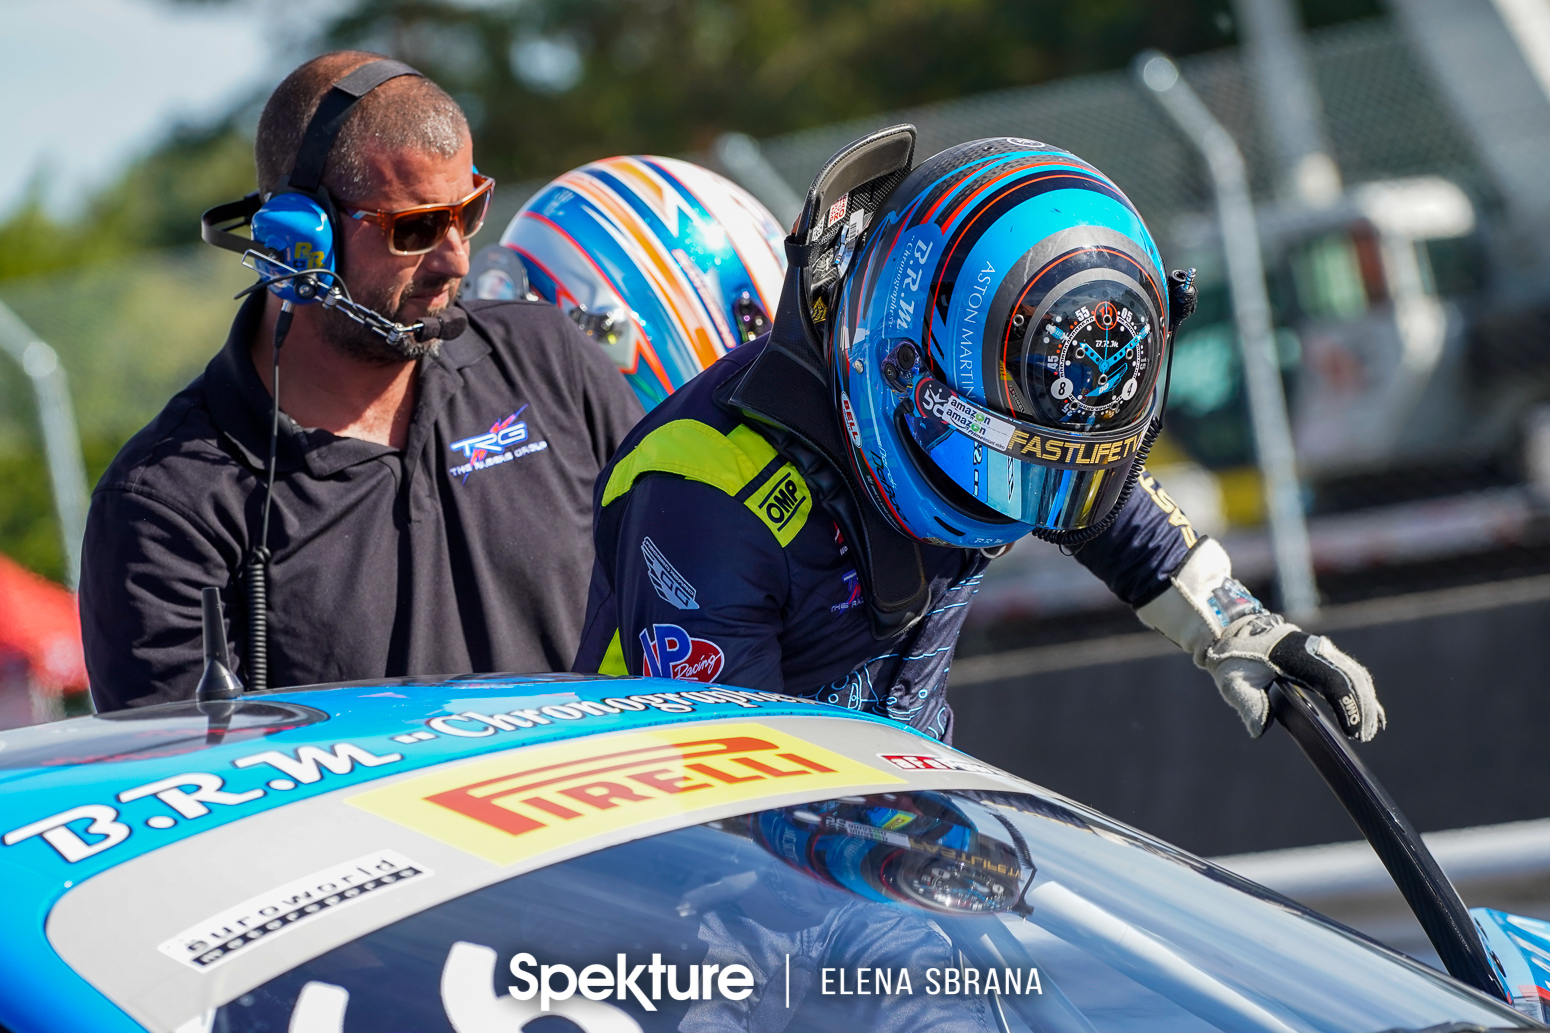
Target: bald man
{"type": "Point", "coordinates": [432, 500]}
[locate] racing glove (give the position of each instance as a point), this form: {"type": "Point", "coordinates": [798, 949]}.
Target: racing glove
{"type": "Point", "coordinates": [1244, 647]}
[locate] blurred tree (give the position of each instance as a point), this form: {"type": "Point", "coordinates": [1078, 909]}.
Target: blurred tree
{"type": "Point", "coordinates": [155, 204]}
{"type": "Point", "coordinates": [549, 84]}
{"type": "Point", "coordinates": [29, 532]}
{"type": "Point", "coordinates": [158, 201]}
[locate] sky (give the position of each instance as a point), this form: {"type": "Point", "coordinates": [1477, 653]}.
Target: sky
{"type": "Point", "coordinates": [89, 84]}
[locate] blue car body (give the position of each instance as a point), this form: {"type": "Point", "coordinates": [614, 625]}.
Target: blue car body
{"type": "Point", "coordinates": [103, 822]}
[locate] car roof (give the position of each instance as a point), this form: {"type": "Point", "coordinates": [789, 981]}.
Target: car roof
{"type": "Point", "coordinates": [81, 797]}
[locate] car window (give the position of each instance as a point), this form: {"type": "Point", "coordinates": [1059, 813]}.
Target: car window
{"type": "Point", "coordinates": [925, 910]}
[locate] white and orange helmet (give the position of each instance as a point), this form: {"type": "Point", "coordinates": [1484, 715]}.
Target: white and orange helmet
{"type": "Point", "coordinates": [665, 264]}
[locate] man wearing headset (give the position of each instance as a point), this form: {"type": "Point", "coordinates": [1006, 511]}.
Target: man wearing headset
{"type": "Point", "coordinates": [430, 509]}
{"type": "Point", "coordinates": [965, 352]}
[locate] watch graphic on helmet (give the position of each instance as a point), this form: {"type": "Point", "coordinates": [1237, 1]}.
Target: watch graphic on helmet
{"type": "Point", "coordinates": [996, 341]}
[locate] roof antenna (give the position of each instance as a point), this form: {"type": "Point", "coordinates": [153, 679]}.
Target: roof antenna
{"type": "Point", "coordinates": [218, 688]}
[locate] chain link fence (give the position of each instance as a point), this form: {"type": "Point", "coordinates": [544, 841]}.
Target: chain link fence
{"type": "Point", "coordinates": [1386, 119]}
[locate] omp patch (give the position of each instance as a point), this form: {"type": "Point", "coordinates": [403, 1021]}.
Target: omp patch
{"type": "Point", "coordinates": [253, 921]}
{"type": "Point", "coordinates": [535, 800]}
{"type": "Point", "coordinates": [783, 503]}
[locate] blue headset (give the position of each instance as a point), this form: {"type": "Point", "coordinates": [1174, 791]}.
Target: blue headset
{"type": "Point", "coordinates": [297, 224]}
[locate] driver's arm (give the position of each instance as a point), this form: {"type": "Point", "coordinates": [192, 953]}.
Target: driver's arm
{"type": "Point", "coordinates": [1146, 543]}
{"type": "Point", "coordinates": [1181, 584]}
{"type": "Point", "coordinates": [690, 585]}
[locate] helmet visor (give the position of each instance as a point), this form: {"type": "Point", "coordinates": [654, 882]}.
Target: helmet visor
{"type": "Point", "coordinates": [1023, 471]}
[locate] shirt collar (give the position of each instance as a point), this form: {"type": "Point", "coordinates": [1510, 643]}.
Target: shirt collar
{"type": "Point", "coordinates": [241, 405]}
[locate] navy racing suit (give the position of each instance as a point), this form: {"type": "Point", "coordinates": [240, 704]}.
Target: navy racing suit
{"type": "Point", "coordinates": [722, 557]}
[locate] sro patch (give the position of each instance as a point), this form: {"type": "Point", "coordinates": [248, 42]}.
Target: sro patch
{"type": "Point", "coordinates": [783, 503]}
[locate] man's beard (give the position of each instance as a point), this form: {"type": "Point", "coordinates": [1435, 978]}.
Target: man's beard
{"type": "Point", "coordinates": [368, 346]}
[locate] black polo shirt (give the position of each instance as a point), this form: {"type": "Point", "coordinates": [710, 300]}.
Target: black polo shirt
{"type": "Point", "coordinates": [467, 550]}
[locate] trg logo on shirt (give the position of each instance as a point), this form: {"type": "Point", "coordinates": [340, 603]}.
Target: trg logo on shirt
{"type": "Point", "coordinates": [505, 441]}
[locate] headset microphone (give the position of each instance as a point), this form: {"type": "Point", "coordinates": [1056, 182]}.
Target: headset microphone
{"type": "Point", "coordinates": [445, 327]}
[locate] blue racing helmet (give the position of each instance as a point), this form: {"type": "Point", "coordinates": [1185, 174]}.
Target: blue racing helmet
{"type": "Point", "coordinates": [996, 344]}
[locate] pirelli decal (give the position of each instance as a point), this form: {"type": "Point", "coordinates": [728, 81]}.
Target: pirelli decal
{"type": "Point", "coordinates": [531, 801]}
{"type": "Point", "coordinates": [1164, 501]}
{"type": "Point", "coordinates": [783, 503]}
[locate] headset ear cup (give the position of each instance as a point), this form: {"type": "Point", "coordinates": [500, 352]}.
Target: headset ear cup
{"type": "Point", "coordinates": [297, 229]}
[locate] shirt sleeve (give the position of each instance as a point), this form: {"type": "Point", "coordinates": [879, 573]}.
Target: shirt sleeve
{"type": "Point", "coordinates": [700, 585]}
{"type": "Point", "coordinates": [1144, 546]}
{"type": "Point", "coordinates": [142, 568]}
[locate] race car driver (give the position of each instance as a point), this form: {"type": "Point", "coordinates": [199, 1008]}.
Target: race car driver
{"type": "Point", "coordinates": [964, 353]}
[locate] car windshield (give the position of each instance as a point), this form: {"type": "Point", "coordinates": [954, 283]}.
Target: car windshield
{"type": "Point", "coordinates": [962, 910]}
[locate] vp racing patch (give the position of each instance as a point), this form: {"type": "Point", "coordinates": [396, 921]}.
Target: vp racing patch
{"type": "Point", "coordinates": [671, 586]}
{"type": "Point", "coordinates": [668, 651]}
{"type": "Point", "coordinates": [528, 802]}
{"type": "Point", "coordinates": [505, 441]}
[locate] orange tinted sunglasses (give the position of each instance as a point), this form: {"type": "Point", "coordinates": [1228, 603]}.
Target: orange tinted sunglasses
{"type": "Point", "coordinates": [415, 231]}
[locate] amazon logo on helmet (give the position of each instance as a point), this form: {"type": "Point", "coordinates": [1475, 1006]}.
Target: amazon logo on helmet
{"type": "Point", "coordinates": [996, 340]}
